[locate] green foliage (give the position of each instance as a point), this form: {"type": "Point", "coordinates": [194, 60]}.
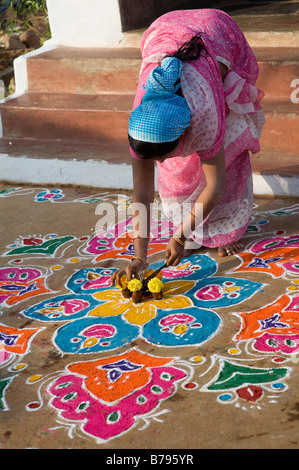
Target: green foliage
{"type": "Point", "coordinates": [24, 16]}
{"type": "Point", "coordinates": [28, 7]}
{"type": "Point", "coordinates": [4, 3]}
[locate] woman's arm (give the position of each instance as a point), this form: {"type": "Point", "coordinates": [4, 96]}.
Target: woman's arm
{"type": "Point", "coordinates": [214, 170]}
{"type": "Point", "coordinates": [143, 196]}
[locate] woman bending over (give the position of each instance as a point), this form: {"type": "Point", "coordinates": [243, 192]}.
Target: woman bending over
{"type": "Point", "coordinates": [196, 115]}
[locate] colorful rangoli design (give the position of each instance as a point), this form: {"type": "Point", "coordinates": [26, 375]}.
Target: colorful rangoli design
{"type": "Point", "coordinates": [116, 321]}
{"type": "Point", "coordinates": [106, 396]}
{"type": "Point", "coordinates": [110, 386]}
{"type": "Point", "coordinates": [18, 284]}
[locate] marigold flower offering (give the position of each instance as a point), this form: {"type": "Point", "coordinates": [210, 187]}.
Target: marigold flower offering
{"type": "Point", "coordinates": [134, 285]}
{"type": "Point", "coordinates": [155, 285]}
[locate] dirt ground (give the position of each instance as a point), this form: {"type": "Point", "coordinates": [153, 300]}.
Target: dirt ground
{"type": "Point", "coordinates": [213, 365]}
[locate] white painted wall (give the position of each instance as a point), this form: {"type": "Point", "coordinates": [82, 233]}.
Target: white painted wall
{"type": "Point", "coordinates": [85, 23]}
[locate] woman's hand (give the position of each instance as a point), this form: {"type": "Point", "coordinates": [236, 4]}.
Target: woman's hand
{"type": "Point", "coordinates": [135, 268]}
{"type": "Point", "coordinates": [174, 253]}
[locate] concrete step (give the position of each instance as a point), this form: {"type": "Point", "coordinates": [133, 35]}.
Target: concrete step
{"type": "Point", "coordinates": [107, 165]}
{"type": "Point", "coordinates": [116, 70]}
{"type": "Point", "coordinates": [273, 24]}
{"type": "Point", "coordinates": [66, 116]}
{"type": "Point", "coordinates": [280, 132]}
{"type": "Point", "coordinates": [278, 66]}
{"type": "Point", "coordinates": [108, 152]}
{"type": "Point", "coordinates": [104, 118]}
{"type": "Point", "coordinates": [85, 71]}
{"type": "Point", "coordinates": [274, 163]}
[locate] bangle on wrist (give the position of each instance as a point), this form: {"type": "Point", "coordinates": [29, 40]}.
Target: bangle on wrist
{"type": "Point", "coordinates": [141, 259]}
{"type": "Point", "coordinates": [178, 240]}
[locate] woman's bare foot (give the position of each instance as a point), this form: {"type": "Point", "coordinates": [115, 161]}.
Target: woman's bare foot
{"type": "Point", "coordinates": [229, 250]}
{"type": "Point", "coordinates": [225, 250]}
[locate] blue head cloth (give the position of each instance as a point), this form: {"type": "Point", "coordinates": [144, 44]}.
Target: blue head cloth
{"type": "Point", "coordinates": [162, 116]}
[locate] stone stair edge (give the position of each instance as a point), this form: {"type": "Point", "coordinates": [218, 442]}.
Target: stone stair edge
{"type": "Point", "coordinates": [115, 102]}
{"type": "Point", "coordinates": [71, 101]}
{"type": "Point", "coordinates": [119, 151]}
{"type": "Point", "coordinates": [66, 52]}
{"type": "Point", "coordinates": [288, 170]}
{"type": "Point", "coordinates": [273, 53]}
{"type": "Point", "coordinates": [264, 38]}
{"type": "Point", "coordinates": [64, 149]}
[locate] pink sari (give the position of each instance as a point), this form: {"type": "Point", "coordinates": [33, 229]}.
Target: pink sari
{"type": "Point", "coordinates": [224, 113]}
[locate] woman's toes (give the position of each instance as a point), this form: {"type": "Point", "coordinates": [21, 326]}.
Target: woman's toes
{"type": "Point", "coordinates": [237, 247]}
{"type": "Point", "coordinates": [229, 250]}
{"type": "Point", "coordinates": [222, 251]}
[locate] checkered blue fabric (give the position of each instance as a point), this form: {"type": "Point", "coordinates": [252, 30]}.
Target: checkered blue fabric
{"type": "Point", "coordinates": [162, 116]}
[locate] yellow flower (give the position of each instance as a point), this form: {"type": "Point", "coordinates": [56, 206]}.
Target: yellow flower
{"type": "Point", "coordinates": [134, 285]}
{"type": "Point", "coordinates": [155, 285]}
{"type": "Point", "coordinates": [138, 314]}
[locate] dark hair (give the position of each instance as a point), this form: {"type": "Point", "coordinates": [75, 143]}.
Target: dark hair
{"type": "Point", "coordinates": [149, 150]}
{"type": "Point", "coordinates": [189, 51]}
